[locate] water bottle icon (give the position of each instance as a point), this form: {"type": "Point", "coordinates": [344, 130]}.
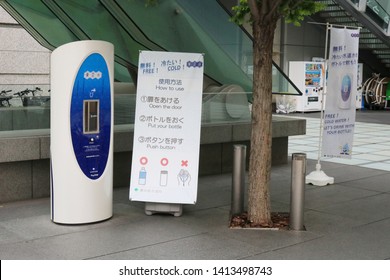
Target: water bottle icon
{"type": "Point", "coordinates": [142, 176]}
{"type": "Point", "coordinates": [163, 178]}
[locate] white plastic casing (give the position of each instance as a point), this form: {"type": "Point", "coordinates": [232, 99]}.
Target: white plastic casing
{"type": "Point", "coordinates": [80, 196]}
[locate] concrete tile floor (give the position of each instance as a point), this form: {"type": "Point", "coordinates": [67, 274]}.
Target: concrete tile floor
{"type": "Point", "coordinates": [347, 220]}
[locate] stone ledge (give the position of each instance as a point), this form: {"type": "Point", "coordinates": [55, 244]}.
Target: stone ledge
{"type": "Point", "coordinates": [21, 145]}
{"type": "Point", "coordinates": [25, 164]}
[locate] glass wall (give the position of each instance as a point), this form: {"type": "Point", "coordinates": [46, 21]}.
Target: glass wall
{"type": "Point", "coordinates": [28, 106]}
{"type": "Point", "coordinates": [377, 10]}
{"type": "Point", "coordinates": [233, 41]}
{"type": "Point", "coordinates": [200, 26]}
{"type": "Point", "coordinates": [172, 25]}
{"type": "Point", "coordinates": [24, 107]}
{"type": "Point", "coordinates": [220, 107]}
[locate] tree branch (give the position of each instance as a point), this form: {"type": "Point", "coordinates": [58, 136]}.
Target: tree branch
{"type": "Point", "coordinates": [254, 9]}
{"type": "Point", "coordinates": [295, 4]}
{"type": "Point", "coordinates": [264, 7]}
{"type": "Point", "coordinates": [275, 5]}
{"type": "Point", "coordinates": [270, 9]}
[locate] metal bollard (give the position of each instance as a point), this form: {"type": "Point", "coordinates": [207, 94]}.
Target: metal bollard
{"type": "Point", "coordinates": [298, 174]}
{"type": "Point", "coordinates": [238, 179]}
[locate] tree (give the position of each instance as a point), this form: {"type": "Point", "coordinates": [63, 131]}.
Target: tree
{"type": "Point", "coordinates": [263, 16]}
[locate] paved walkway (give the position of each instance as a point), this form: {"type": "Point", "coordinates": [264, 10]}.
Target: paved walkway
{"type": "Point", "coordinates": [371, 145]}
{"type": "Point", "coordinates": [347, 220]}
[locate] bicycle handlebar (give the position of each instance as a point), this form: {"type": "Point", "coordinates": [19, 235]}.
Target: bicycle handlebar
{"type": "Point", "coordinates": [23, 92]}
{"type": "Point", "coordinates": [27, 91]}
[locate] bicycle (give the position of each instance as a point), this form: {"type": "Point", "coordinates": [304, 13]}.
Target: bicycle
{"type": "Point", "coordinates": [380, 93]}
{"type": "Point", "coordinates": [4, 98]}
{"type": "Point", "coordinates": [369, 89]}
{"type": "Point", "coordinates": [29, 100]}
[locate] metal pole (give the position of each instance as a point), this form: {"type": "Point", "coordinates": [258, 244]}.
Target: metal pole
{"type": "Point", "coordinates": [298, 174]}
{"type": "Point", "coordinates": [238, 179]}
{"type": "Point", "coordinates": [324, 92]}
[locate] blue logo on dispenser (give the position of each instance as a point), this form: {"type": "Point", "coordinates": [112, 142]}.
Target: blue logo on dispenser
{"type": "Point", "coordinates": [90, 116]}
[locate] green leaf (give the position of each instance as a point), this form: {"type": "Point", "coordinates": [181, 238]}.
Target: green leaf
{"type": "Point", "coordinates": [294, 11]}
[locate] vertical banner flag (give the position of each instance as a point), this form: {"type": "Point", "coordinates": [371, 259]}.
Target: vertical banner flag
{"type": "Point", "coordinates": [340, 107]}
{"type": "Point", "coordinates": [167, 128]}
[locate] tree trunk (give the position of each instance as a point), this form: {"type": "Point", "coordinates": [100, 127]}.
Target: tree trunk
{"type": "Point", "coordinates": [259, 206]}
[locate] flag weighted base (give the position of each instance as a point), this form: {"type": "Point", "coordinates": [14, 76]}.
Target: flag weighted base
{"type": "Point", "coordinates": [319, 178]}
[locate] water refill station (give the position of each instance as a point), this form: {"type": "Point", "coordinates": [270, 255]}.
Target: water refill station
{"type": "Point", "coordinates": [82, 132]}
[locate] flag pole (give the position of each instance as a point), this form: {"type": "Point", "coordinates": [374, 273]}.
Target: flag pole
{"type": "Point", "coordinates": [318, 177]}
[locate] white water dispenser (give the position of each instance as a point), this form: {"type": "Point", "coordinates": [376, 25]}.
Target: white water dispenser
{"type": "Point", "coordinates": [82, 132]}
